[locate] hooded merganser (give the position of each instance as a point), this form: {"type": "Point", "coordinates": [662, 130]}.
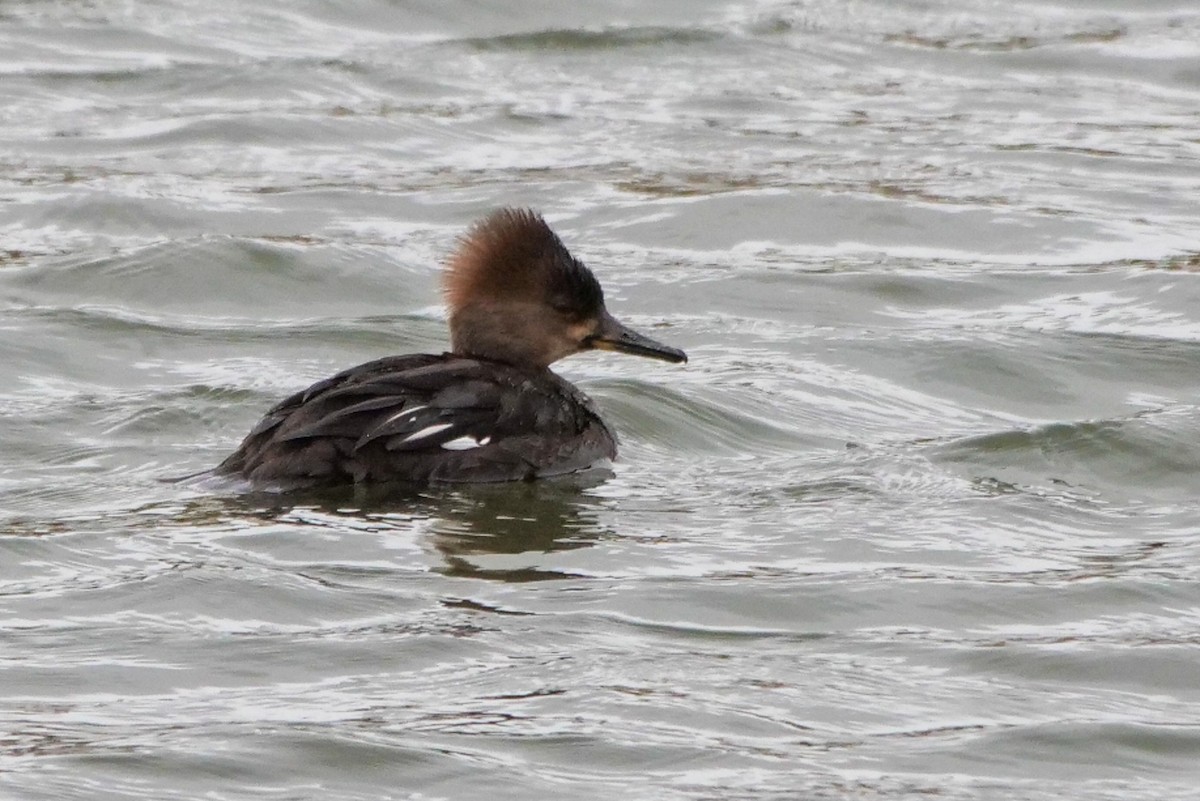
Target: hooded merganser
{"type": "Point", "coordinates": [490, 410]}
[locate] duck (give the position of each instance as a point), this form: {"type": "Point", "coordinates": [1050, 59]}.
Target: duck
{"type": "Point", "coordinates": [488, 410]}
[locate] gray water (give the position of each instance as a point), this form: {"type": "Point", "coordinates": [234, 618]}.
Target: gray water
{"type": "Point", "coordinates": [919, 519]}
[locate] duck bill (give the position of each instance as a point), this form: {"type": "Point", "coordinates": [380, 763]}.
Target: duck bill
{"type": "Point", "coordinates": [622, 339]}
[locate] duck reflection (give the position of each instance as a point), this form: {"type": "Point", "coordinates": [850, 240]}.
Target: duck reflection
{"type": "Point", "coordinates": [531, 518]}
{"type": "Point", "coordinates": [466, 523]}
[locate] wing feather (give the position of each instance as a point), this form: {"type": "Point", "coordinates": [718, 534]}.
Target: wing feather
{"type": "Point", "coordinates": [343, 422]}
{"type": "Point", "coordinates": [418, 418]}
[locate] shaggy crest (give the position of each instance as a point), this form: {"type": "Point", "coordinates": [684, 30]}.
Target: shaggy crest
{"type": "Point", "coordinates": [512, 253]}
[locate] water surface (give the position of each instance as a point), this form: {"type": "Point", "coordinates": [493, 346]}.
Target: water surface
{"type": "Point", "coordinates": [918, 519]}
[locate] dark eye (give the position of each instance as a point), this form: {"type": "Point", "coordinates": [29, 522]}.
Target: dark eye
{"type": "Point", "coordinates": [564, 306]}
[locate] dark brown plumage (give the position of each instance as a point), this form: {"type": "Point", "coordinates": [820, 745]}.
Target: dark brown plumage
{"type": "Point", "coordinates": [366, 424]}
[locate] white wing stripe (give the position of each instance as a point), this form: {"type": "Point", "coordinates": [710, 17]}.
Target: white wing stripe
{"type": "Point", "coordinates": [401, 413]}
{"type": "Point", "coordinates": [463, 443]}
{"type": "Point", "coordinates": [427, 431]}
